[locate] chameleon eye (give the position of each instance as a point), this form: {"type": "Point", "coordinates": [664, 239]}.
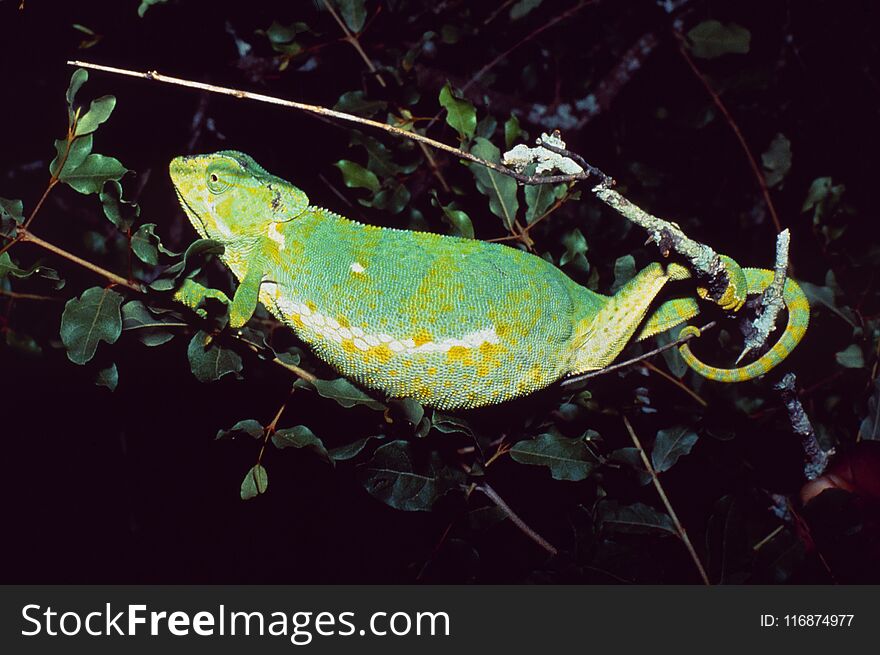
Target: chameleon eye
{"type": "Point", "coordinates": [215, 184]}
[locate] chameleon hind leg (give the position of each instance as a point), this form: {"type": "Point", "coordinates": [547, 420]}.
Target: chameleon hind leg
{"type": "Point", "coordinates": [798, 308]}
{"type": "Point", "coordinates": [599, 336]}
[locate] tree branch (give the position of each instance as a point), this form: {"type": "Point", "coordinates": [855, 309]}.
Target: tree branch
{"type": "Point", "coordinates": [682, 533]}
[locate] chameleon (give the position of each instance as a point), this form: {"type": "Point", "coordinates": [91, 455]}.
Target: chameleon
{"type": "Point", "coordinates": [450, 322]}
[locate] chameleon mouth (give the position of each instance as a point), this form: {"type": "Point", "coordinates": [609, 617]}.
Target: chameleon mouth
{"type": "Point", "coordinates": [192, 214]}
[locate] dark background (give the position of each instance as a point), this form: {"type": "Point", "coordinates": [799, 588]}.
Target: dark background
{"type": "Point", "coordinates": [131, 487]}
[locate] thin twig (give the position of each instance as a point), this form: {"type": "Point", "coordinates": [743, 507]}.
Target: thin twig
{"type": "Point", "coordinates": [517, 521]}
{"type": "Point", "coordinates": [815, 458]}
{"type": "Point", "coordinates": [678, 383]}
{"type": "Point", "coordinates": [324, 111]}
{"type": "Point", "coordinates": [759, 176]}
{"type": "Point", "coordinates": [635, 360]}
{"type": "Point", "coordinates": [771, 300]}
{"type": "Point", "coordinates": [29, 237]}
{"type": "Point", "coordinates": [353, 40]}
{"type": "Point", "coordinates": [15, 295]}
{"type": "Point", "coordinates": [659, 487]}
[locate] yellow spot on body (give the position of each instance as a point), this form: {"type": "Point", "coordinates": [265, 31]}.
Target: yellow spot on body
{"type": "Point", "coordinates": [343, 321]}
{"type": "Point", "coordinates": [460, 354]}
{"type": "Point", "coordinates": [422, 336]}
{"type": "Point", "coordinates": [382, 353]}
{"type": "Point", "coordinates": [312, 307]}
{"type": "Point", "coordinates": [348, 346]}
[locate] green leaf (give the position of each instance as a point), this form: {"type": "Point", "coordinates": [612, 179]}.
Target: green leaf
{"type": "Point", "coordinates": [248, 426]}
{"type": "Point", "coordinates": [119, 211]}
{"type": "Point", "coordinates": [212, 362]}
{"type": "Point", "coordinates": [870, 426]}
{"type": "Point", "coordinates": [200, 248]}
{"type": "Point", "coordinates": [299, 436]}
{"type": "Point", "coordinates": [9, 267]}
{"type": "Point", "coordinates": [12, 210]}
{"type": "Point", "coordinates": [148, 329]}
{"type": "Point", "coordinates": [575, 247]}
{"type": "Point", "coordinates": [670, 445]}
{"type": "Point", "coordinates": [282, 38]}
{"type": "Point", "coordinates": [539, 197]}
{"type": "Point", "coordinates": [88, 320]}
{"type": "Point", "coordinates": [712, 39]}
{"type": "Point", "coordinates": [523, 7]}
{"type": "Point", "coordinates": [824, 198]}
{"type": "Point", "coordinates": [777, 160]}
{"type": "Point", "coordinates": [393, 199]}
{"type": "Point", "coordinates": [79, 77]}
{"type": "Point", "coordinates": [634, 519]}
{"type": "Point", "coordinates": [90, 175]}
{"type": "Point", "coordinates": [500, 189]}
{"type": "Point", "coordinates": [146, 4]}
{"type": "Point", "coordinates": [817, 295]}
{"type": "Point", "coordinates": [457, 219]}
{"type": "Point", "coordinates": [108, 377]}
{"type": "Point", "coordinates": [356, 176]}
{"type": "Point", "coordinates": [99, 111]}
{"type": "Point", "coordinates": [345, 393]}
{"type": "Point", "coordinates": [379, 158]}
{"type": "Point", "coordinates": [512, 134]}
{"type": "Point", "coordinates": [352, 450]}
{"type": "Point", "coordinates": [80, 148]}
{"type": "Point", "coordinates": [451, 424]}
{"type": "Point", "coordinates": [396, 477]}
{"type": "Point", "coordinates": [357, 103]}
{"type": "Point", "coordinates": [353, 13]}
{"type": "Point", "coordinates": [850, 357]}
{"type": "Point", "coordinates": [11, 216]}
{"type": "Point", "coordinates": [631, 458]}
{"type": "Point", "coordinates": [145, 244]}
{"type": "Point", "coordinates": [255, 482]}
{"type": "Point", "coordinates": [567, 459]}
{"type": "Point", "coordinates": [624, 271]}
{"type": "Point", "coordinates": [460, 114]}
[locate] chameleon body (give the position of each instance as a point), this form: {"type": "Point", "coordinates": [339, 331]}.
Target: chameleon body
{"type": "Point", "coordinates": [450, 322]}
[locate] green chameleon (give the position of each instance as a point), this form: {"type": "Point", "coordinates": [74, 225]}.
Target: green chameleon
{"type": "Point", "coordinates": [450, 322]}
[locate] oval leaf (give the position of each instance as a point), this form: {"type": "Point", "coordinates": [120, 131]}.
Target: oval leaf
{"type": "Point", "coordinates": [670, 445]}
{"type": "Point", "coordinates": [500, 189]}
{"type": "Point", "coordinates": [90, 175]}
{"type": "Point", "coordinates": [460, 114]}
{"type": "Point", "coordinates": [299, 436]}
{"type": "Point", "coordinates": [99, 111]}
{"type": "Point", "coordinates": [88, 320]}
{"type": "Point", "coordinates": [712, 39]}
{"type": "Point", "coordinates": [345, 393]}
{"type": "Point", "coordinates": [255, 482]}
{"type": "Point", "coordinates": [636, 518]}
{"type": "Point", "coordinates": [209, 363]}
{"type": "Point", "coordinates": [567, 459]}
{"type": "Point", "coordinates": [356, 176]}
{"type": "Point", "coordinates": [393, 477]}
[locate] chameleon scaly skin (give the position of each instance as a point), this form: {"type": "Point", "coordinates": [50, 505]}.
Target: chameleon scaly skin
{"type": "Point", "coordinates": [447, 321]}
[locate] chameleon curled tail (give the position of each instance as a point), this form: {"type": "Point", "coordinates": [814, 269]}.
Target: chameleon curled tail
{"type": "Point", "coordinates": [758, 279]}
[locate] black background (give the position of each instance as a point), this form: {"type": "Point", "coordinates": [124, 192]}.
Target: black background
{"type": "Point", "coordinates": [130, 486]}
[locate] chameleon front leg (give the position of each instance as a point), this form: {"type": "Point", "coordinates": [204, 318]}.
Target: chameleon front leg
{"type": "Point", "coordinates": [193, 295]}
{"type": "Point", "coordinates": [241, 307]}
{"type": "Point", "coordinates": [244, 302]}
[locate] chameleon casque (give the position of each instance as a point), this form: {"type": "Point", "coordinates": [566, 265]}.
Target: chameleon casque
{"type": "Point", "coordinates": [450, 322]}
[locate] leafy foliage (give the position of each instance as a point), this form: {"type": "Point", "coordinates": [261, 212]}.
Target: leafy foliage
{"type": "Point", "coordinates": [606, 519]}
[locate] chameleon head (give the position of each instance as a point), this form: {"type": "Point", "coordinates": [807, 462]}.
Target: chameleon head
{"type": "Point", "coordinates": [228, 195]}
